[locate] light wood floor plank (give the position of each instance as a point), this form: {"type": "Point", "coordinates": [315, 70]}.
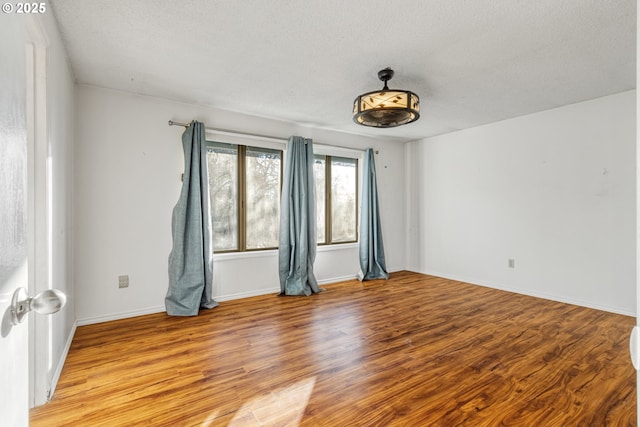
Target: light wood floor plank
{"type": "Point", "coordinates": [415, 350]}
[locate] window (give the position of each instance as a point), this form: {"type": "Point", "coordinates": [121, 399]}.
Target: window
{"type": "Point", "coordinates": [244, 185]}
{"type": "Point", "coordinates": [336, 199]}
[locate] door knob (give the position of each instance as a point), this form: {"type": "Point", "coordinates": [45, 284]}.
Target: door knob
{"type": "Point", "coordinates": [46, 302]}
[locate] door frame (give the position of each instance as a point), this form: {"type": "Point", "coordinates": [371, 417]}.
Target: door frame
{"type": "Point", "coordinates": [39, 207]}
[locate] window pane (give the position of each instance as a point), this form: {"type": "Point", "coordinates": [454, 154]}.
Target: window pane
{"type": "Point", "coordinates": [222, 161]}
{"type": "Point", "coordinates": [263, 197]}
{"type": "Point", "coordinates": [319, 172]}
{"type": "Point", "coordinates": [343, 199]}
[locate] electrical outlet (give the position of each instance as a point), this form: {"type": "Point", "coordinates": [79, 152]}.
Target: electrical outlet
{"type": "Point", "coordinates": [512, 263]}
{"type": "Point", "coordinates": [123, 281]}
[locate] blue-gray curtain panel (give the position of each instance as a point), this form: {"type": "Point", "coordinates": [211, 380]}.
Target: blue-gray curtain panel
{"type": "Point", "coordinates": [297, 241]}
{"type": "Point", "coordinates": [372, 262]}
{"type": "Point", "coordinates": [191, 258]}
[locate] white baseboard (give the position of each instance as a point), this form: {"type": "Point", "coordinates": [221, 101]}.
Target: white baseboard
{"type": "Point", "coordinates": [267, 291]}
{"type": "Point", "coordinates": [240, 295]}
{"type": "Point", "coordinates": [63, 359]}
{"type": "Point", "coordinates": [350, 277]}
{"type": "Point", "coordinates": [276, 290]}
{"type": "Point", "coordinates": [337, 279]}
{"type": "Point", "coordinates": [531, 293]}
{"type": "Point", "coordinates": [121, 315]}
{"type": "Point", "coordinates": [219, 298]}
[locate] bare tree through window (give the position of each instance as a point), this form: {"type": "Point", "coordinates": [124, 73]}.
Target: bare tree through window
{"type": "Point", "coordinates": [244, 185]}
{"type": "Point", "coordinates": [343, 199]}
{"type": "Point", "coordinates": [222, 163]}
{"type": "Point", "coordinates": [336, 199]}
{"type": "Point", "coordinates": [263, 197]}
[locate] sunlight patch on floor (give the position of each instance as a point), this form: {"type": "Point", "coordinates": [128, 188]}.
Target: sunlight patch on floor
{"type": "Point", "coordinates": [280, 407]}
{"type": "Point", "coordinates": [210, 419]}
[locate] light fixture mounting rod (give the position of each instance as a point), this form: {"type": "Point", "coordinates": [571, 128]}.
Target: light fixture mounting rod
{"type": "Point", "coordinates": [385, 75]}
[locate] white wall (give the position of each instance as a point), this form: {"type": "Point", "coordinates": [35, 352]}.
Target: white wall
{"type": "Point", "coordinates": [554, 190]}
{"type": "Point", "coordinates": [128, 163]}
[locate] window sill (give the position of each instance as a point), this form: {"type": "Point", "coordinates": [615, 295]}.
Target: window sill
{"type": "Point", "coordinates": [337, 247]}
{"type": "Point", "coordinates": [274, 252]}
{"type": "Point", "coordinates": [246, 254]}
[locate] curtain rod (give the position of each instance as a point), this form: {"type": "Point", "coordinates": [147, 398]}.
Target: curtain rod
{"type": "Point", "coordinates": [231, 132]}
{"type": "Point", "coordinates": [254, 135]}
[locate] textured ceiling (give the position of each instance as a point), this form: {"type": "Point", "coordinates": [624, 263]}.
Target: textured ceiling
{"type": "Point", "coordinates": [471, 61]}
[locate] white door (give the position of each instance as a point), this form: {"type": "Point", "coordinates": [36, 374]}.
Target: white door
{"type": "Point", "coordinates": [39, 205]}
{"type": "Point", "coordinates": [635, 341]}
{"type": "Point", "coordinates": [14, 376]}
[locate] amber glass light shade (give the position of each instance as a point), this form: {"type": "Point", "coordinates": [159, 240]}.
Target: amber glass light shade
{"type": "Point", "coordinates": [386, 108]}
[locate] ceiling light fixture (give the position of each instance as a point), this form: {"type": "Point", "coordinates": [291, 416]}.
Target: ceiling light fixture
{"type": "Point", "coordinates": [388, 107]}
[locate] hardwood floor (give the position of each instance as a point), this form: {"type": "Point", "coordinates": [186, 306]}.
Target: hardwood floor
{"type": "Point", "coordinates": [415, 350]}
